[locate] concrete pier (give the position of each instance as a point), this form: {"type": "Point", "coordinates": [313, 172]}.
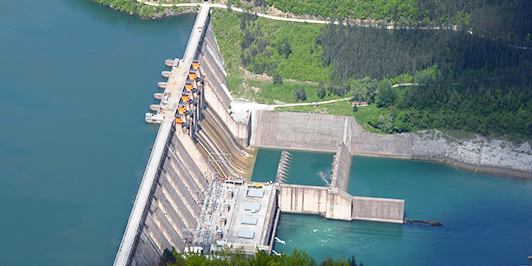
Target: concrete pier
{"type": "Point", "coordinates": [333, 203]}
{"type": "Point", "coordinates": [340, 167]}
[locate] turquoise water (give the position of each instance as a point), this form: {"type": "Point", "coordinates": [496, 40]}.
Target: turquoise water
{"type": "Point", "coordinates": [75, 81]}
{"type": "Point", "coordinates": [305, 168]}
{"type": "Point", "coordinates": [487, 219]}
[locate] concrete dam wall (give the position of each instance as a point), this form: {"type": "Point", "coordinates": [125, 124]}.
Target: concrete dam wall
{"type": "Point", "coordinates": [333, 203]}
{"type": "Point", "coordinates": [283, 130]}
{"type": "Point", "coordinates": [175, 204]}
{"type": "Point", "coordinates": [171, 198]}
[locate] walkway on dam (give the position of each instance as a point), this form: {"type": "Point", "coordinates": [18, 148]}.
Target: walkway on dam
{"type": "Point", "coordinates": [175, 84]}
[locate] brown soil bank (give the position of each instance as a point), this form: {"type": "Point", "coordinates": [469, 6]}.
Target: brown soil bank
{"type": "Point", "coordinates": [319, 132]}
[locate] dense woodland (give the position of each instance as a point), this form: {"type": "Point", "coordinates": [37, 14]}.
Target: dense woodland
{"type": "Point", "coordinates": [478, 82]}
{"type": "Point", "coordinates": [297, 257]}
{"type": "Point", "coordinates": [464, 81]}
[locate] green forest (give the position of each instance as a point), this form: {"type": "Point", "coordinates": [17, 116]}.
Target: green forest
{"type": "Point", "coordinates": [297, 257]}
{"type": "Point", "coordinates": [461, 81]}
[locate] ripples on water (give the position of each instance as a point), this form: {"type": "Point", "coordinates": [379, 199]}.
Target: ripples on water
{"type": "Point", "coordinates": [486, 218]}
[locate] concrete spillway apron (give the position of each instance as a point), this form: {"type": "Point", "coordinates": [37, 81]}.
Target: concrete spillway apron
{"type": "Point", "coordinates": [175, 86]}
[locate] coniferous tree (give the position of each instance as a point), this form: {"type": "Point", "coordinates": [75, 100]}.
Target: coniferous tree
{"type": "Point", "coordinates": [277, 79]}
{"type": "Point", "coordinates": [321, 90]}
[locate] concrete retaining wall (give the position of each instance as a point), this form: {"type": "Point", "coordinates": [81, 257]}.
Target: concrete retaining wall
{"type": "Point", "coordinates": [321, 132]}
{"type": "Point", "coordinates": [299, 131]}
{"type": "Point", "coordinates": [302, 199]}
{"type": "Point", "coordinates": [340, 167]}
{"type": "Point", "coordinates": [333, 203]}
{"type": "Point", "coordinates": [339, 205]}
{"type": "Point", "coordinates": [378, 209]}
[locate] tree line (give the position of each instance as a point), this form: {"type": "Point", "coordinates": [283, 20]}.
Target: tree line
{"type": "Point", "coordinates": [133, 7]}
{"type": "Point", "coordinates": [225, 257]}
{"type": "Point", "coordinates": [463, 81]}
{"type": "Point", "coordinates": [504, 20]}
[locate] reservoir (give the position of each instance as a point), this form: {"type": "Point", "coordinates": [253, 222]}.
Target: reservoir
{"type": "Point", "coordinates": [76, 79]}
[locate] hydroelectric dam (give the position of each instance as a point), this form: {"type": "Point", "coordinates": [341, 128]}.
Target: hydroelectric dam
{"type": "Point", "coordinates": [194, 190]}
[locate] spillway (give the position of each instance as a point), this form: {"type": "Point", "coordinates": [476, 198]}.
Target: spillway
{"type": "Point", "coordinates": [220, 146]}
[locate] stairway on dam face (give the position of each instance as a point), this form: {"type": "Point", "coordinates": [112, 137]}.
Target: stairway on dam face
{"type": "Point", "coordinates": [221, 148]}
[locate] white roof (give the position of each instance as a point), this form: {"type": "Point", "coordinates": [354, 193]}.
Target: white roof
{"type": "Point", "coordinates": [246, 234]}
{"type": "Point", "coordinates": [256, 193]}
{"type": "Point", "coordinates": [251, 206]}
{"type": "Point", "coordinates": [250, 220]}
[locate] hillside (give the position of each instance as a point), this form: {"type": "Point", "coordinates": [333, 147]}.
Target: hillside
{"type": "Point", "coordinates": [462, 81]}
{"type": "Point", "coordinates": [504, 20]}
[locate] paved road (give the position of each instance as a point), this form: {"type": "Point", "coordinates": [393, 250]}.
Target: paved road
{"type": "Point", "coordinates": [316, 21]}
{"type": "Point", "coordinates": [241, 11]}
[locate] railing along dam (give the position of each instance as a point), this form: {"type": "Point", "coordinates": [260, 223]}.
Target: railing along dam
{"type": "Point", "coordinates": [170, 207]}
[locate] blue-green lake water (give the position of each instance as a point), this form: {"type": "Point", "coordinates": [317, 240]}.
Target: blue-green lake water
{"type": "Point", "coordinates": [487, 219]}
{"type": "Point", "coordinates": [75, 81]}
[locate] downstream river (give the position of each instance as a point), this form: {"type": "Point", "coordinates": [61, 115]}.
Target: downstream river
{"type": "Point", "coordinates": [75, 81]}
{"type": "Point", "coordinates": [487, 219]}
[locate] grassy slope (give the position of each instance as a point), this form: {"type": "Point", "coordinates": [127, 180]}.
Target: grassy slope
{"type": "Point", "coordinates": [299, 67]}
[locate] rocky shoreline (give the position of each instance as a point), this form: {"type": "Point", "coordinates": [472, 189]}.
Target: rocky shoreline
{"type": "Point", "coordinates": [477, 154]}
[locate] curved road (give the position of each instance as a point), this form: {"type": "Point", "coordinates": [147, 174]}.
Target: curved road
{"type": "Point", "coordinates": [315, 21]}
{"type": "Point", "coordinates": [239, 10]}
